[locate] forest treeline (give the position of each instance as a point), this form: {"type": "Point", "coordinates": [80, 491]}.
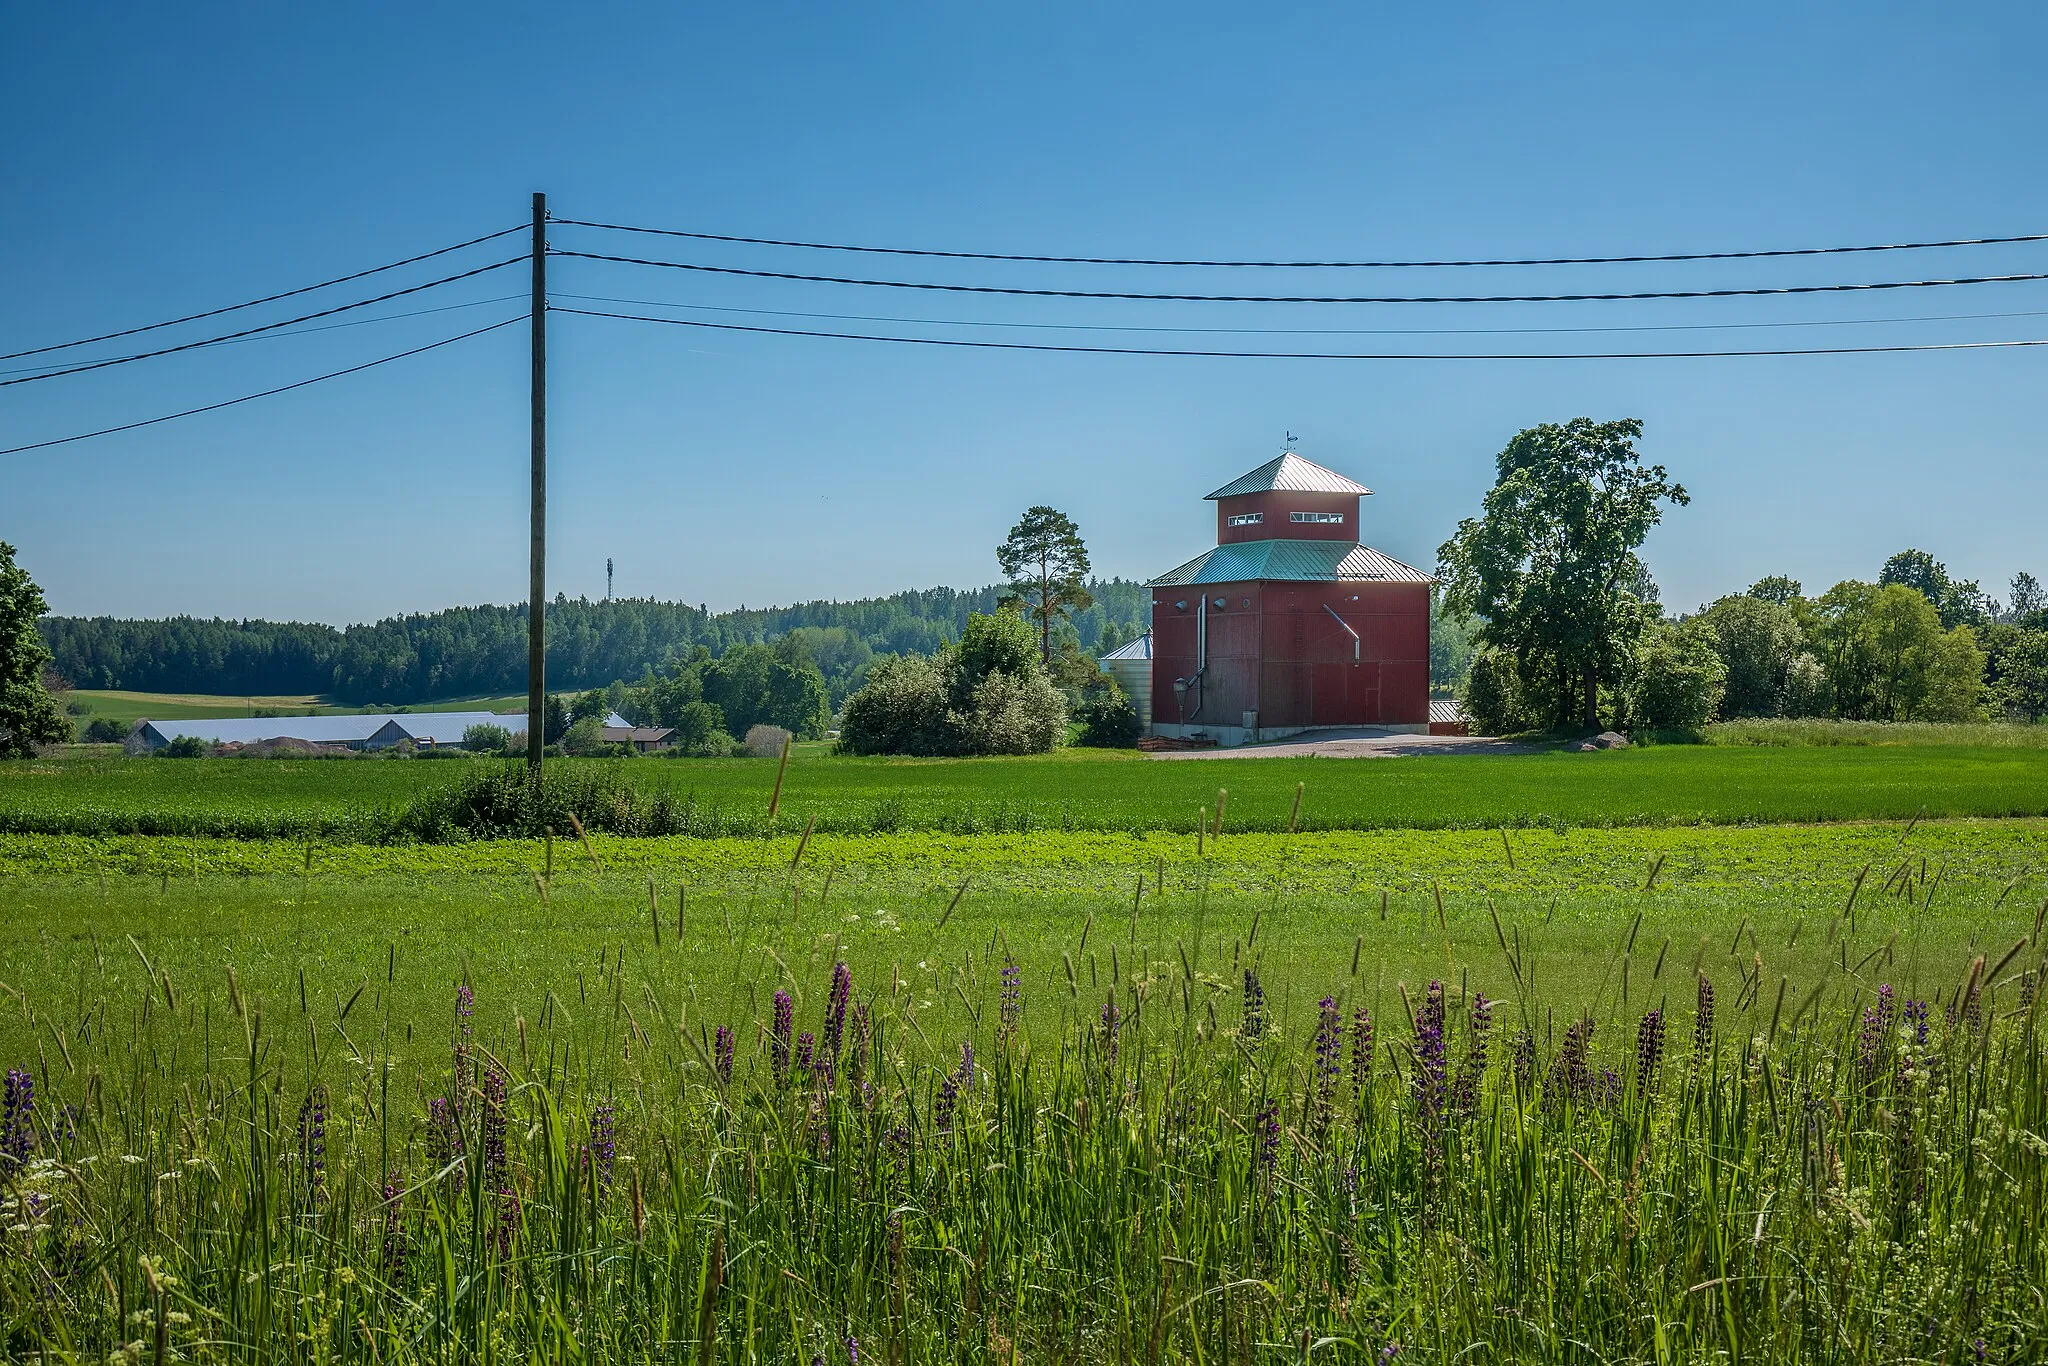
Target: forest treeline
{"type": "Point", "coordinates": [481, 651]}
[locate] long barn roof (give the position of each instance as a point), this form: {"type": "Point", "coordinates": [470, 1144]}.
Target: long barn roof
{"type": "Point", "coordinates": [1292, 474]}
{"type": "Point", "coordinates": [1291, 561]}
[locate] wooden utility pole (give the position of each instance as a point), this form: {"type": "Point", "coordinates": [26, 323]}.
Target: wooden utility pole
{"type": "Point", "coordinates": [536, 592]}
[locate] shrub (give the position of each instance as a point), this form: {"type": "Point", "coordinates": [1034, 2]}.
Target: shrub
{"type": "Point", "coordinates": [765, 741]}
{"type": "Point", "coordinates": [900, 710]}
{"type": "Point", "coordinates": [1011, 714]}
{"type": "Point", "coordinates": [1493, 694]}
{"type": "Point", "coordinates": [485, 738]}
{"type": "Point", "coordinates": [105, 730]}
{"type": "Point", "coordinates": [185, 747]}
{"type": "Point", "coordinates": [1677, 682]}
{"type": "Point", "coordinates": [1109, 721]}
{"type": "Point", "coordinates": [585, 738]}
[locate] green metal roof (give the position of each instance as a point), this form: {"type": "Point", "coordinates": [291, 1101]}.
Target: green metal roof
{"type": "Point", "coordinates": [1290, 473]}
{"type": "Point", "coordinates": [1291, 561]}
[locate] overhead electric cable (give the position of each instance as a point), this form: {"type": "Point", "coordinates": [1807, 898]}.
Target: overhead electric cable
{"type": "Point", "coordinates": [1752, 292]}
{"type": "Point", "coordinates": [281, 389]}
{"type": "Point", "coordinates": [1309, 355]}
{"type": "Point", "coordinates": [1304, 331]}
{"type": "Point", "coordinates": [267, 327]}
{"type": "Point", "coordinates": [325, 327]}
{"type": "Point", "coordinates": [267, 299]}
{"type": "Point", "coordinates": [1311, 265]}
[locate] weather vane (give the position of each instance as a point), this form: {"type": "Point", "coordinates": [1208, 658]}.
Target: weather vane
{"type": "Point", "coordinates": [1291, 439]}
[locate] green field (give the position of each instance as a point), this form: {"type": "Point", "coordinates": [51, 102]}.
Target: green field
{"type": "Point", "coordinates": [1074, 789]}
{"type": "Point", "coordinates": [338, 916]}
{"type": "Point", "coordinates": [136, 706]}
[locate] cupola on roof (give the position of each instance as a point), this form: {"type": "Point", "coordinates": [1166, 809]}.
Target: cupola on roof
{"type": "Point", "coordinates": [1292, 474]}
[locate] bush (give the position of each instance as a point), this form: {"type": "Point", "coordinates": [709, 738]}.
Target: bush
{"type": "Point", "coordinates": [1109, 721]}
{"type": "Point", "coordinates": [185, 747]}
{"type": "Point", "coordinates": [485, 738]}
{"type": "Point", "coordinates": [585, 738]}
{"type": "Point", "coordinates": [105, 730]}
{"type": "Point", "coordinates": [900, 710]}
{"type": "Point", "coordinates": [700, 732]}
{"type": "Point", "coordinates": [765, 741]}
{"type": "Point", "coordinates": [1493, 694]}
{"type": "Point", "coordinates": [1677, 682]}
{"type": "Point", "coordinates": [1012, 714]}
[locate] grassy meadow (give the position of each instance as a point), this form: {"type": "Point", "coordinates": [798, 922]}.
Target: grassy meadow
{"type": "Point", "coordinates": [121, 705]}
{"type": "Point", "coordinates": [1071, 790]}
{"type": "Point", "coordinates": [1557, 1058]}
{"type": "Point", "coordinates": [1002, 1098]}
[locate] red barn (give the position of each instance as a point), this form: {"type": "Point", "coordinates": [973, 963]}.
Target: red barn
{"type": "Point", "coordinates": [1290, 623]}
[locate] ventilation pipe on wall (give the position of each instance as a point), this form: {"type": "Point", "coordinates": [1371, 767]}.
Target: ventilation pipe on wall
{"type": "Point", "coordinates": [1201, 651]}
{"type": "Point", "coordinates": [1347, 630]}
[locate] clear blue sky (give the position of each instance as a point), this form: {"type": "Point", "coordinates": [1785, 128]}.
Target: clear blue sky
{"type": "Point", "coordinates": [162, 159]}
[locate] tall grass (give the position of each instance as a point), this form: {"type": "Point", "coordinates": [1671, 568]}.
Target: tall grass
{"type": "Point", "coordinates": [1777, 732]}
{"type": "Point", "coordinates": [1157, 1165]}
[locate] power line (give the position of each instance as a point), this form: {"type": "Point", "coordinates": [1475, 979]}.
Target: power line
{"type": "Point", "coordinates": [1311, 265]}
{"type": "Point", "coordinates": [267, 327]}
{"type": "Point", "coordinates": [1312, 298]}
{"type": "Point", "coordinates": [327, 327]}
{"type": "Point", "coordinates": [267, 299]}
{"type": "Point", "coordinates": [281, 389]}
{"type": "Point", "coordinates": [1317, 355]}
{"type": "Point", "coordinates": [1308, 331]}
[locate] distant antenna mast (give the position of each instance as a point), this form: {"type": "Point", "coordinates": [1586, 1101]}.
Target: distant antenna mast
{"type": "Point", "coordinates": [607, 578]}
{"type": "Point", "coordinates": [1291, 439]}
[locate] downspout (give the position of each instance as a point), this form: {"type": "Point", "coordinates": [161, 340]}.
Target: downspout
{"type": "Point", "coordinates": [1347, 630]}
{"type": "Point", "coordinates": [1201, 652]}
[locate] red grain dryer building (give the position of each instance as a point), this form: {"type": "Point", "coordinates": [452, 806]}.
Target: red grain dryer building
{"type": "Point", "coordinates": [1290, 623]}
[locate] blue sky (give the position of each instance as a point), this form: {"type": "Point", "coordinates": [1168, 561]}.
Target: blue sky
{"type": "Point", "coordinates": [166, 159]}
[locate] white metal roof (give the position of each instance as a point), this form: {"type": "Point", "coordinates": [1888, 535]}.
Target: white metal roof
{"type": "Point", "coordinates": [1291, 473]}
{"type": "Point", "coordinates": [249, 730]}
{"type": "Point", "coordinates": [1141, 648]}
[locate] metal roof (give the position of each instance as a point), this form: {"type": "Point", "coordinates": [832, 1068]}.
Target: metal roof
{"type": "Point", "coordinates": [1444, 712]}
{"type": "Point", "coordinates": [1291, 473]}
{"type": "Point", "coordinates": [1141, 648]}
{"type": "Point", "coordinates": [446, 727]}
{"type": "Point", "coordinates": [639, 735]}
{"type": "Point", "coordinates": [240, 730]}
{"type": "Point", "coordinates": [1291, 561]}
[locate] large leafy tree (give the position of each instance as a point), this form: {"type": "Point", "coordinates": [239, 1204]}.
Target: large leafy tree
{"type": "Point", "coordinates": [1888, 658]}
{"type": "Point", "coordinates": [29, 716]}
{"type": "Point", "coordinates": [1047, 566]}
{"type": "Point", "coordinates": [1550, 566]}
{"type": "Point", "coordinates": [1958, 602]}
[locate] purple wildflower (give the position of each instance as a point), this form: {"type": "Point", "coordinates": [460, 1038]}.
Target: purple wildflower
{"type": "Point", "coordinates": [313, 1143]}
{"type": "Point", "coordinates": [1571, 1075]}
{"type": "Point", "coordinates": [1607, 1090]}
{"type": "Point", "coordinates": [17, 1119]}
{"type": "Point", "coordinates": [1915, 1013]}
{"type": "Point", "coordinates": [1429, 1053]}
{"type": "Point", "coordinates": [1522, 1051]}
{"type": "Point", "coordinates": [510, 1215]}
{"type": "Point", "coordinates": [1361, 1051]}
{"type": "Point", "coordinates": [835, 1007]}
{"type": "Point", "coordinates": [1472, 1070]}
{"type": "Point", "coordinates": [1328, 1048]}
{"type": "Point", "coordinates": [1266, 1139]}
{"type": "Point", "coordinates": [1109, 1032]}
{"type": "Point", "coordinates": [603, 1151]}
{"type": "Point", "coordinates": [778, 1036]}
{"type": "Point", "coordinates": [805, 1049]}
{"type": "Point", "coordinates": [1649, 1051]}
{"type": "Point", "coordinates": [721, 1052]}
{"type": "Point", "coordinates": [942, 1108]}
{"type": "Point", "coordinates": [444, 1133]}
{"type": "Point", "coordinates": [1254, 1006]}
{"type": "Point", "coordinates": [1010, 1013]}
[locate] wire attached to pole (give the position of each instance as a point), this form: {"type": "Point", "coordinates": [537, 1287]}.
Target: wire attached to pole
{"type": "Point", "coordinates": [281, 389]}
{"type": "Point", "coordinates": [1313, 265]}
{"type": "Point", "coordinates": [266, 299]}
